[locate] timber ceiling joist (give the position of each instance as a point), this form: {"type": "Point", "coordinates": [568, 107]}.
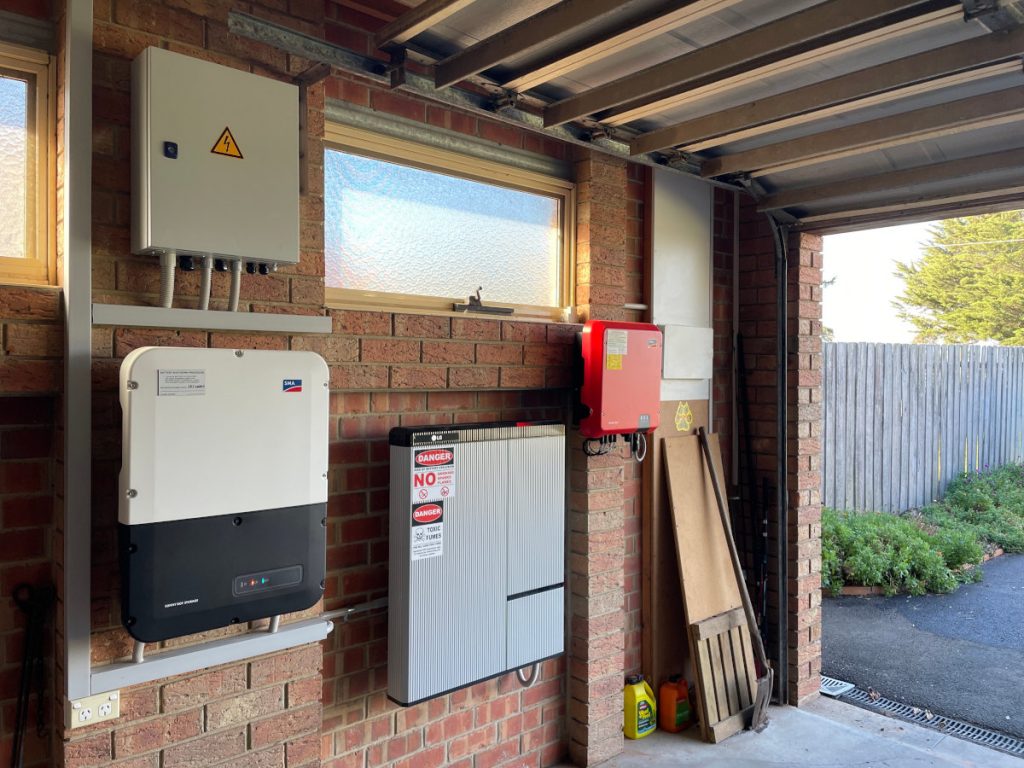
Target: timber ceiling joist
{"type": "Point", "coordinates": [845, 113]}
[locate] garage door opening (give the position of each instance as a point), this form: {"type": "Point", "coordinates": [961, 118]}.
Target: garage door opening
{"type": "Point", "coordinates": [923, 486]}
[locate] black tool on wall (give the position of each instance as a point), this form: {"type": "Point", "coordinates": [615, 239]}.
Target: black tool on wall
{"type": "Point", "coordinates": [36, 603]}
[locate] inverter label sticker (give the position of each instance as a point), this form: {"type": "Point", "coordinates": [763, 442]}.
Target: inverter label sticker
{"type": "Point", "coordinates": [178, 382]}
{"type": "Point", "coordinates": [616, 346]}
{"type": "Point", "coordinates": [427, 530]}
{"type": "Point", "coordinates": [433, 473]}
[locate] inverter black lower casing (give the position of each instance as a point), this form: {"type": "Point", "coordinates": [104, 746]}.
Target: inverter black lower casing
{"type": "Point", "coordinates": [181, 577]}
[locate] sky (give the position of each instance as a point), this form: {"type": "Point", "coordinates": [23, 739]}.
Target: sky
{"type": "Point", "coordinates": [858, 306]}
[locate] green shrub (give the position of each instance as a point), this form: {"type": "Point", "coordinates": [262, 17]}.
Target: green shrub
{"type": "Point", "coordinates": [888, 551]}
{"type": "Point", "coordinates": [927, 550]}
{"type": "Point", "coordinates": [989, 504]}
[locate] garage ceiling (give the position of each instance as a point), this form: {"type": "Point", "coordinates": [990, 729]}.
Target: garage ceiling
{"type": "Point", "coordinates": [836, 114]}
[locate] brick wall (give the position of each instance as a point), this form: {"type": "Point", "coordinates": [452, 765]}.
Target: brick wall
{"type": "Point", "coordinates": [386, 370]}
{"type": "Point", "coordinates": [637, 181]}
{"type": "Point", "coordinates": [804, 484]}
{"type": "Point", "coordinates": [597, 522]}
{"type": "Point", "coordinates": [26, 526]}
{"type": "Point", "coordinates": [757, 300]}
{"type": "Point", "coordinates": [264, 712]}
{"type": "Point", "coordinates": [326, 703]}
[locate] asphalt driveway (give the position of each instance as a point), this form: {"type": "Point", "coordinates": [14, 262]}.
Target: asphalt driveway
{"type": "Point", "coordinates": [959, 655]}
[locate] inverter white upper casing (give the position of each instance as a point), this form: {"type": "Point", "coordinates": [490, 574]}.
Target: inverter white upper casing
{"type": "Point", "coordinates": [200, 202]}
{"type": "Point", "coordinates": [210, 432]}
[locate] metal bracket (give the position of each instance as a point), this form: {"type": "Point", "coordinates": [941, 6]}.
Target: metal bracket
{"type": "Point", "coordinates": [508, 100]}
{"type": "Point", "coordinates": [994, 15]}
{"type": "Point", "coordinates": [396, 66]}
{"type": "Point", "coordinates": [476, 305]}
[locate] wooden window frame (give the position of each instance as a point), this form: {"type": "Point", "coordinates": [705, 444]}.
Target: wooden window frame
{"type": "Point", "coordinates": [39, 268]}
{"type": "Point", "coordinates": [393, 150]}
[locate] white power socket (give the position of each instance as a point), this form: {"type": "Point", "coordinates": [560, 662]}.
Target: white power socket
{"type": "Point", "coordinates": [93, 709]}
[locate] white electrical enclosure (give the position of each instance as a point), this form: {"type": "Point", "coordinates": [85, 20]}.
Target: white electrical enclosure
{"type": "Point", "coordinates": [215, 161]}
{"type": "Point", "coordinates": [223, 487]}
{"type": "Point", "coordinates": [219, 432]}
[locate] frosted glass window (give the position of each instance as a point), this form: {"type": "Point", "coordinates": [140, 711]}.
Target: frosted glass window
{"type": "Point", "coordinates": [14, 167]}
{"type": "Point", "coordinates": [391, 228]}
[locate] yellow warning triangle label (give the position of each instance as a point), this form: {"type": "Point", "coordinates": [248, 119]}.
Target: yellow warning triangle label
{"type": "Point", "coordinates": [226, 145]}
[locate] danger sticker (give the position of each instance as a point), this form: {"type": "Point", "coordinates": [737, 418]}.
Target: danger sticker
{"type": "Point", "coordinates": [433, 474]}
{"type": "Point", "coordinates": [427, 530]}
{"type": "Point", "coordinates": [226, 145]}
{"type": "Point", "coordinates": [177, 382]}
{"type": "Point", "coordinates": [614, 362]}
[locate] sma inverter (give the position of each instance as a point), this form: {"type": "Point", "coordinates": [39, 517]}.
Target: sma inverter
{"type": "Point", "coordinates": [223, 485]}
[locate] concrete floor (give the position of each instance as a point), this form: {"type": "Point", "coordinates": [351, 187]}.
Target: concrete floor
{"type": "Point", "coordinates": [825, 734]}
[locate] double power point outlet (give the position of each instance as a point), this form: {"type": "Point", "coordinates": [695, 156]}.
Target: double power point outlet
{"type": "Point", "coordinates": [93, 709]}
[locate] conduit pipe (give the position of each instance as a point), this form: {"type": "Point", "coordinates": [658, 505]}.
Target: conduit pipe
{"type": "Point", "coordinates": [780, 234]}
{"type": "Point", "coordinates": [206, 282]}
{"type": "Point", "coordinates": [236, 285]}
{"type": "Point", "coordinates": [168, 263]}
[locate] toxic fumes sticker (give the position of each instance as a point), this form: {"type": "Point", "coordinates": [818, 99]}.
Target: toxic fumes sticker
{"type": "Point", "coordinates": [427, 530]}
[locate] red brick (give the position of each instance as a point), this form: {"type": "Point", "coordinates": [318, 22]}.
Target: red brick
{"type": "Point", "coordinates": [359, 376]}
{"type": "Point", "coordinates": [512, 331]}
{"type": "Point", "coordinates": [206, 750]}
{"type": "Point", "coordinates": [18, 303]}
{"type": "Point", "coordinates": [453, 352]}
{"type": "Point", "coordinates": [90, 751]}
{"type": "Point", "coordinates": [35, 376]}
{"type": "Point", "coordinates": [25, 511]}
{"type": "Point", "coordinates": [500, 354]}
{"type": "Point", "coordinates": [522, 378]}
{"type": "Point", "coordinates": [128, 339]}
{"type": "Point", "coordinates": [26, 410]}
{"type": "Point", "coordinates": [198, 689]}
{"type": "Point", "coordinates": [305, 691]}
{"type": "Point", "coordinates": [282, 667]}
{"type": "Point", "coordinates": [418, 377]}
{"type": "Point", "coordinates": [334, 349]}
{"type": "Point", "coordinates": [24, 544]}
{"type": "Point", "coordinates": [287, 725]}
{"type": "Point", "coordinates": [303, 750]}
{"type": "Point", "coordinates": [26, 444]}
{"type": "Point", "coordinates": [473, 378]}
{"type": "Point", "coordinates": [241, 708]}
{"type": "Point", "coordinates": [248, 341]}
{"type": "Point", "coordinates": [390, 351]}
{"type": "Point", "coordinates": [392, 103]}
{"type": "Point", "coordinates": [22, 477]}
{"type": "Point", "coordinates": [357, 323]}
{"type": "Point", "coordinates": [423, 326]}
{"type": "Point", "coordinates": [157, 733]}
{"type": "Point", "coordinates": [34, 340]}
{"type": "Point", "coordinates": [476, 330]}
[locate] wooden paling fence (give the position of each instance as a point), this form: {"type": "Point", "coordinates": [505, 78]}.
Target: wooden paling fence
{"type": "Point", "coordinates": [902, 420]}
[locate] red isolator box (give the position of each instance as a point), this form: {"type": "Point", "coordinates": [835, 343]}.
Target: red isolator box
{"type": "Point", "coordinates": [621, 378]}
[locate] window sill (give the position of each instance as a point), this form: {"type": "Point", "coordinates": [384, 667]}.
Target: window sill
{"type": "Point", "coordinates": [342, 300]}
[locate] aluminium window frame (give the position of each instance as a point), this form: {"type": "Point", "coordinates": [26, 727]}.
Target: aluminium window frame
{"type": "Point", "coordinates": [389, 149]}
{"type": "Point", "coordinates": [39, 265]}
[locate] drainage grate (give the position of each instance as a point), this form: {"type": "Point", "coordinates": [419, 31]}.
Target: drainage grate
{"type": "Point", "coordinates": [958, 728]}
{"type": "Point", "coordinates": [832, 687]}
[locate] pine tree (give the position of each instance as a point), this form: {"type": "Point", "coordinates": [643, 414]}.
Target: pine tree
{"type": "Point", "coordinates": [969, 284]}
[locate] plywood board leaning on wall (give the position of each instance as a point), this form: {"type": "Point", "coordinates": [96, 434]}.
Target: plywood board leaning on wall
{"type": "Point", "coordinates": [720, 643]}
{"type": "Point", "coordinates": [664, 634]}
